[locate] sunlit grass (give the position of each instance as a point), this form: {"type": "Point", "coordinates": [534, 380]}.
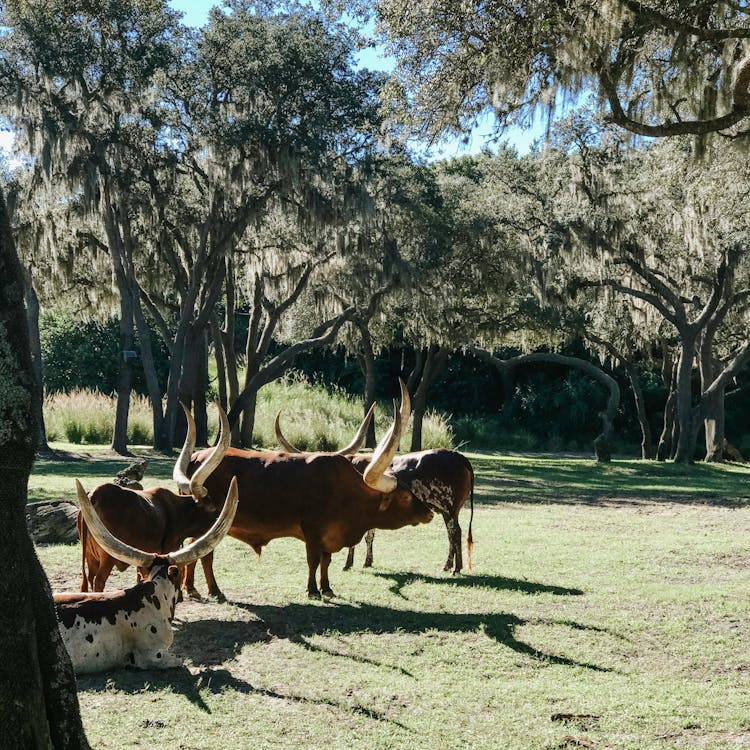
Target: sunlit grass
{"type": "Point", "coordinates": [591, 597]}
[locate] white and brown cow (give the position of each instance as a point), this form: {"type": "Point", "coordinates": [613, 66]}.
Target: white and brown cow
{"type": "Point", "coordinates": [133, 627]}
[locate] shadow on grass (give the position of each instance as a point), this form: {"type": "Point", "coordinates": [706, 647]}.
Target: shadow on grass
{"type": "Point", "coordinates": [297, 622]}
{"type": "Point", "coordinates": [209, 681]}
{"type": "Point", "coordinates": [500, 583]}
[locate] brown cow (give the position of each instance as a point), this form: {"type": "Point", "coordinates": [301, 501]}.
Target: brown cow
{"type": "Point", "coordinates": [442, 479]}
{"type": "Point", "coordinates": [156, 520]}
{"type": "Point", "coordinates": [131, 627]}
{"type": "Point", "coordinates": [319, 498]}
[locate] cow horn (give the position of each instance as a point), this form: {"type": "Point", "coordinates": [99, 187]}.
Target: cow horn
{"type": "Point", "coordinates": [194, 485]}
{"type": "Point", "coordinates": [178, 473]}
{"type": "Point", "coordinates": [283, 442]}
{"type": "Point", "coordinates": [375, 474]}
{"type": "Point", "coordinates": [203, 545]}
{"type": "Point", "coordinates": [109, 543]}
{"type": "Point", "coordinates": [349, 450]}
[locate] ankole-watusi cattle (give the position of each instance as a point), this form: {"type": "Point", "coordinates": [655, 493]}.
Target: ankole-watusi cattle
{"type": "Point", "coordinates": [132, 627]}
{"type": "Point", "coordinates": [319, 498]}
{"type": "Point", "coordinates": [442, 479]}
{"type": "Point", "coordinates": [156, 520]}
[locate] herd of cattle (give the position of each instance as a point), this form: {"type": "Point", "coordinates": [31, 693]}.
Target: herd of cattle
{"type": "Point", "coordinates": [327, 500]}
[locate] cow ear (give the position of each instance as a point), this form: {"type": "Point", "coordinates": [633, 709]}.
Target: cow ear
{"type": "Point", "coordinates": [174, 574]}
{"type": "Point", "coordinates": [385, 501]}
{"type": "Point", "coordinates": [206, 503]}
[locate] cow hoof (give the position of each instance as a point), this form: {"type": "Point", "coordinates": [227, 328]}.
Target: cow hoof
{"type": "Point", "coordinates": [313, 595]}
{"type": "Point", "coordinates": [347, 567]}
{"type": "Point", "coordinates": [219, 597]}
{"type": "Point", "coordinates": [194, 596]}
{"type": "Point", "coordinates": [456, 573]}
{"type": "Point", "coordinates": [328, 594]}
{"type": "Point", "coordinates": [367, 564]}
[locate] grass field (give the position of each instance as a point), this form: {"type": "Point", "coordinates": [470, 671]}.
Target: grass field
{"type": "Point", "coordinates": [608, 608]}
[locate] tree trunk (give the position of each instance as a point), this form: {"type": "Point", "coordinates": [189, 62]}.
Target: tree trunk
{"type": "Point", "coordinates": [221, 369]}
{"type": "Point", "coordinates": [434, 363]}
{"type": "Point", "coordinates": [714, 420]}
{"type": "Point", "coordinates": [200, 387]}
{"type": "Point", "coordinates": [38, 699]}
{"type": "Point", "coordinates": [32, 310]}
{"type": "Point", "coordinates": [124, 375]}
{"type": "Point", "coordinates": [366, 361]}
{"type": "Point", "coordinates": [248, 419]}
{"type": "Point", "coordinates": [647, 449]}
{"type": "Point", "coordinates": [685, 448]}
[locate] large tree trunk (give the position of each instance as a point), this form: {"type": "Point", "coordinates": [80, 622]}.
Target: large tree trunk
{"type": "Point", "coordinates": [685, 448]}
{"type": "Point", "coordinates": [434, 364]}
{"type": "Point", "coordinates": [647, 448]}
{"type": "Point", "coordinates": [38, 700]}
{"type": "Point", "coordinates": [602, 449]}
{"type": "Point", "coordinates": [248, 419]}
{"type": "Point", "coordinates": [32, 309]}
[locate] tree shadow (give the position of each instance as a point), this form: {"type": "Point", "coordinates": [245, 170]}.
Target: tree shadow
{"type": "Point", "coordinates": [299, 622]}
{"type": "Point", "coordinates": [500, 583]}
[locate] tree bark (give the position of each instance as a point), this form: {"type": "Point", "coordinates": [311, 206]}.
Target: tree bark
{"type": "Point", "coordinates": [434, 363]}
{"type": "Point", "coordinates": [647, 448]}
{"type": "Point", "coordinates": [366, 361]}
{"type": "Point", "coordinates": [35, 343]}
{"type": "Point", "coordinates": [38, 700]}
{"type": "Point", "coordinates": [124, 375]}
{"type": "Point", "coordinates": [685, 448]}
{"type": "Point", "coordinates": [602, 449]}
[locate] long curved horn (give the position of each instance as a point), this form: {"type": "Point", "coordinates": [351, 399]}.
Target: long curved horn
{"type": "Point", "coordinates": [349, 450]}
{"type": "Point", "coordinates": [180, 468]}
{"type": "Point", "coordinates": [197, 490]}
{"type": "Point", "coordinates": [283, 442]}
{"type": "Point", "coordinates": [203, 545]}
{"type": "Point", "coordinates": [109, 543]}
{"type": "Point", "coordinates": [359, 438]}
{"type": "Point", "coordinates": [375, 474]}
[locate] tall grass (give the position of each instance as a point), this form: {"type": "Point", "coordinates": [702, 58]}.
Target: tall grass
{"type": "Point", "coordinates": [313, 418]}
{"type": "Point", "coordinates": [88, 417]}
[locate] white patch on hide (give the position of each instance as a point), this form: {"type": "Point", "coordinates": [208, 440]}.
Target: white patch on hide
{"type": "Point", "coordinates": [434, 494]}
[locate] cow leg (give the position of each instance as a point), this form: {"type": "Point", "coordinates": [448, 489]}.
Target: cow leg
{"type": "Point", "coordinates": [102, 573]}
{"type": "Point", "coordinates": [455, 557]}
{"type": "Point", "coordinates": [152, 648]}
{"type": "Point", "coordinates": [188, 583]}
{"type": "Point", "coordinates": [369, 536]}
{"type": "Point", "coordinates": [313, 560]}
{"type": "Point", "coordinates": [325, 586]}
{"type": "Point", "coordinates": [349, 560]}
{"type": "Point", "coordinates": [207, 563]}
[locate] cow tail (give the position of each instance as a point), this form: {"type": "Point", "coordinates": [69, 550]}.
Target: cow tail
{"type": "Point", "coordinates": [83, 536]}
{"type": "Point", "coordinates": [469, 537]}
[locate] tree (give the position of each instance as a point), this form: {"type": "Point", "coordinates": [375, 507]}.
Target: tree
{"type": "Point", "coordinates": [37, 685]}
{"type": "Point", "coordinates": [665, 232]}
{"type": "Point", "coordinates": [657, 69]}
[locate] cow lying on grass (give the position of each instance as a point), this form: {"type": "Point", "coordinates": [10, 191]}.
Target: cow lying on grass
{"type": "Point", "coordinates": [442, 479]}
{"type": "Point", "coordinates": [133, 627]}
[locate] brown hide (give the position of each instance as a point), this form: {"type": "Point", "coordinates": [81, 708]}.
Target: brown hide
{"type": "Point", "coordinates": [318, 498]}
{"type": "Point", "coordinates": [155, 520]}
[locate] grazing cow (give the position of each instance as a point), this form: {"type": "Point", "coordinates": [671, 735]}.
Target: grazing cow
{"type": "Point", "coordinates": [442, 479]}
{"type": "Point", "coordinates": [156, 519]}
{"type": "Point", "coordinates": [319, 498]}
{"type": "Point", "coordinates": [132, 627]}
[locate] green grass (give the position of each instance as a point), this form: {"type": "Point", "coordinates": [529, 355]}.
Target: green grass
{"type": "Point", "coordinates": [607, 604]}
